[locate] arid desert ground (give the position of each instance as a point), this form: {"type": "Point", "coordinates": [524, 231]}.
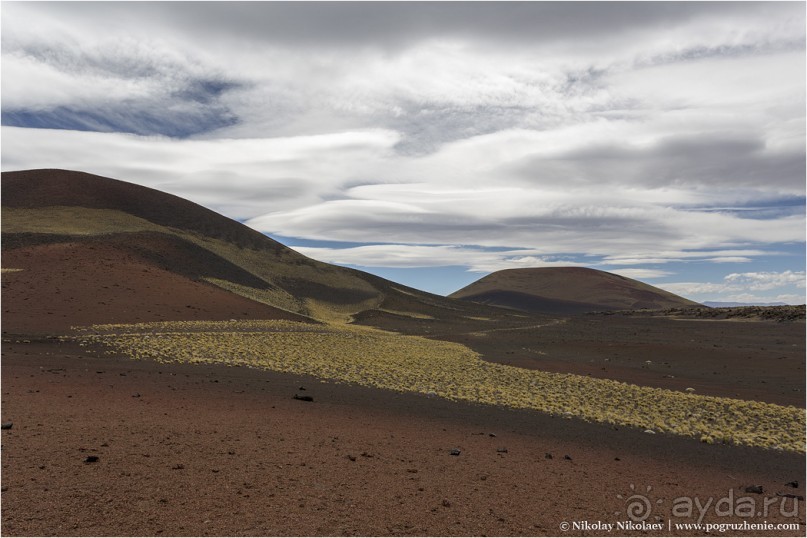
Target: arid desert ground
{"type": "Point", "coordinates": [167, 371]}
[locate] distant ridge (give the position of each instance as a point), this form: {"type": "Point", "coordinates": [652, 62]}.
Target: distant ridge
{"type": "Point", "coordinates": [567, 290]}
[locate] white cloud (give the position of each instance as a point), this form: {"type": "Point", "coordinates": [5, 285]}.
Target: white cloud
{"type": "Point", "coordinates": [744, 287]}
{"type": "Point", "coordinates": [729, 259]}
{"type": "Point", "coordinates": [717, 256]}
{"type": "Point", "coordinates": [641, 274]}
{"type": "Point", "coordinates": [622, 132]}
{"type": "Point", "coordinates": [240, 177]}
{"type": "Point", "coordinates": [346, 186]}
{"type": "Point", "coordinates": [410, 256]}
{"type": "Point", "coordinates": [766, 280]}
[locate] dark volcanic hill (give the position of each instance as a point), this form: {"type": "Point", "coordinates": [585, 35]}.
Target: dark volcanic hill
{"type": "Point", "coordinates": [81, 249]}
{"type": "Point", "coordinates": [567, 290]}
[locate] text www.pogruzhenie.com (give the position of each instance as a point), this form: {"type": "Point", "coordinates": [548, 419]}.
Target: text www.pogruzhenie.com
{"type": "Point", "coordinates": [670, 526]}
{"type": "Point", "coordinates": [750, 514]}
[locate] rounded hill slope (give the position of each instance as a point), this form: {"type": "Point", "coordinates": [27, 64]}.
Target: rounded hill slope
{"type": "Point", "coordinates": [567, 290]}
{"type": "Point", "coordinates": [31, 189]}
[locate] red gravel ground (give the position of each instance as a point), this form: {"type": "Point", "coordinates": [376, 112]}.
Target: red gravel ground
{"type": "Point", "coordinates": [67, 284]}
{"type": "Point", "coordinates": [212, 450]}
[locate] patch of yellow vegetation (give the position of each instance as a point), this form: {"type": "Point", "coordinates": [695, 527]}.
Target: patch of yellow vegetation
{"type": "Point", "coordinates": [338, 314]}
{"type": "Point", "coordinates": [9, 270]}
{"type": "Point", "coordinates": [414, 364]}
{"type": "Point", "coordinates": [284, 264]}
{"type": "Point", "coordinates": [270, 266]}
{"type": "Point", "coordinates": [171, 327]}
{"type": "Point", "coordinates": [275, 267]}
{"type": "Point", "coordinates": [73, 221]}
{"type": "Point", "coordinates": [415, 315]}
{"type": "Point", "coordinates": [276, 297]}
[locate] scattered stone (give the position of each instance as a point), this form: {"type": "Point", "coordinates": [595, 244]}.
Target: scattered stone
{"type": "Point", "coordinates": [617, 459]}
{"type": "Point", "coordinates": [136, 395]}
{"type": "Point", "coordinates": [4, 488]}
{"type": "Point", "coordinates": [689, 389]}
{"type": "Point", "coordinates": [351, 457]}
{"type": "Point", "coordinates": [790, 496]}
{"type": "Point", "coordinates": [178, 467]}
{"type": "Point", "coordinates": [411, 471]}
{"type": "Point", "coordinates": [302, 388]}
{"type": "Point", "coordinates": [491, 435]}
{"type": "Point", "coordinates": [303, 398]}
{"type": "Point", "coordinates": [501, 450]}
{"type": "Point", "coordinates": [214, 470]}
{"type": "Point", "coordinates": [455, 452]}
{"type": "Point", "coordinates": [91, 459]}
{"type": "Point", "coordinates": [548, 456]}
{"type": "Point", "coordinates": [446, 503]}
{"type": "Point", "coordinates": [793, 484]}
{"type": "Point", "coordinates": [567, 457]}
{"type": "Point", "coordinates": [649, 431]}
{"type": "Point", "coordinates": [6, 425]}
{"type": "Point", "coordinates": [366, 455]}
{"type": "Point", "coordinates": [755, 489]}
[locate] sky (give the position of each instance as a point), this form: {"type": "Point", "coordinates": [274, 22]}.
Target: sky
{"type": "Point", "coordinates": [433, 143]}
